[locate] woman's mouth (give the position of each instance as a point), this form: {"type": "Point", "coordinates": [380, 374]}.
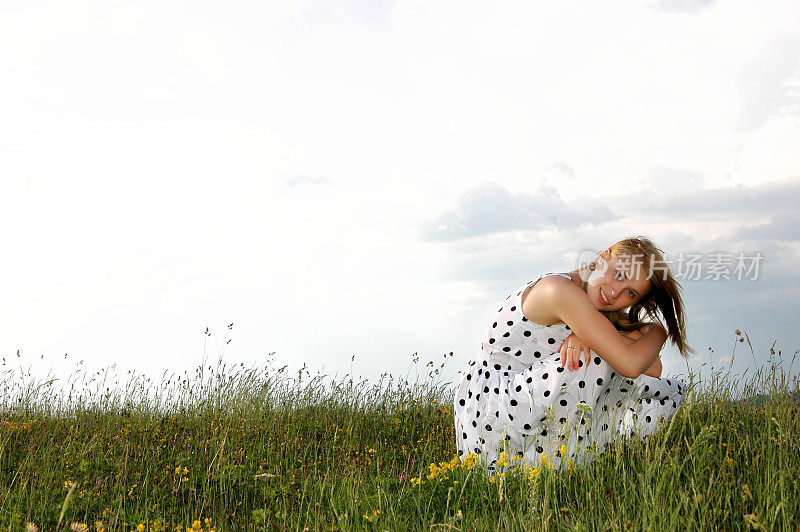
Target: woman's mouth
{"type": "Point", "coordinates": [603, 298]}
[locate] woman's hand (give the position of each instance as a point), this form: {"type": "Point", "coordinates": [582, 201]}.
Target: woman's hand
{"type": "Point", "coordinates": [571, 349]}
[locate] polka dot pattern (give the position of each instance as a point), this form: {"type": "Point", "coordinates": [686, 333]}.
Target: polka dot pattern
{"type": "Point", "coordinates": [514, 395]}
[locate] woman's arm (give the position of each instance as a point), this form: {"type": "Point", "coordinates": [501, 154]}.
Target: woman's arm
{"type": "Point", "coordinates": [631, 336]}
{"type": "Point", "coordinates": [573, 347]}
{"type": "Point", "coordinates": [565, 301]}
{"type": "Point", "coordinates": [655, 369]}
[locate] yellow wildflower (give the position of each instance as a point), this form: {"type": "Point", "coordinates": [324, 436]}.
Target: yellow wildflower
{"type": "Point", "coordinates": [435, 471]}
{"type": "Point", "coordinates": [502, 462]}
{"type": "Point", "coordinates": [753, 522]}
{"type": "Point", "coordinates": [30, 527]}
{"type": "Point", "coordinates": [372, 451]}
{"type": "Point", "coordinates": [469, 462]}
{"type": "Point", "coordinates": [140, 528]}
{"type": "Point", "coordinates": [373, 517]}
{"type": "Point", "coordinates": [78, 527]}
{"type": "Point", "coordinates": [563, 450]}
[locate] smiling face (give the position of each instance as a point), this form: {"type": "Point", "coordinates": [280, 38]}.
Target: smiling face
{"type": "Point", "coordinates": [617, 282]}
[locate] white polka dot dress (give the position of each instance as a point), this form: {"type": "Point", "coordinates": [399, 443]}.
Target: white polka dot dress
{"type": "Point", "coordinates": [517, 397]}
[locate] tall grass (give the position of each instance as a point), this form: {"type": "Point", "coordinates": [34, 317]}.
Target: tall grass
{"type": "Point", "coordinates": [236, 448]}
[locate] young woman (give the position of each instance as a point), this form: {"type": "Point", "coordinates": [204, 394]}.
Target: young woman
{"type": "Point", "coordinates": [567, 363]}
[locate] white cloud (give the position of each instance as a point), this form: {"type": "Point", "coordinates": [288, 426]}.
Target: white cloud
{"type": "Point", "coordinates": [300, 179]}
{"type": "Point", "coordinates": [770, 153]}
{"type": "Point", "coordinates": [491, 209]}
{"type": "Point", "coordinates": [683, 6]}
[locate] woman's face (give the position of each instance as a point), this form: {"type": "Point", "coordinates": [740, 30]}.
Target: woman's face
{"type": "Point", "coordinates": [617, 282]}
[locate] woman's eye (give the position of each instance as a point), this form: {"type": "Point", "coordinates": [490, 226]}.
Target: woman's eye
{"type": "Point", "coordinates": [630, 292]}
{"type": "Point", "coordinates": [619, 275]}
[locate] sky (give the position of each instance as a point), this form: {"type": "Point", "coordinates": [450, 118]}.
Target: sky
{"type": "Point", "coordinates": [352, 183]}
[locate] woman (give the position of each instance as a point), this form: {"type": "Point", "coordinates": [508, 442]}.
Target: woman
{"type": "Point", "coordinates": [567, 365]}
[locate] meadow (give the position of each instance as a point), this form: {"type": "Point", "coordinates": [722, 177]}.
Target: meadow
{"type": "Point", "coordinates": [236, 448]}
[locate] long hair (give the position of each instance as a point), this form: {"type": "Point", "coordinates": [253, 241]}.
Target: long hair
{"type": "Point", "coordinates": [662, 303]}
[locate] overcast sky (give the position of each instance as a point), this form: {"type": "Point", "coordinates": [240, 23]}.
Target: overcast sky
{"type": "Point", "coordinates": [371, 178]}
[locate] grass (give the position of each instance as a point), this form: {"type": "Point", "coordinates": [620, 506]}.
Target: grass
{"type": "Point", "coordinates": [238, 448]}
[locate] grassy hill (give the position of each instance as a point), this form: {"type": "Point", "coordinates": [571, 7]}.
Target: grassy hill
{"type": "Point", "coordinates": [248, 449]}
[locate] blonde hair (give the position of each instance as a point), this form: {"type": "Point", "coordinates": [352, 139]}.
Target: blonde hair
{"type": "Point", "coordinates": [664, 296]}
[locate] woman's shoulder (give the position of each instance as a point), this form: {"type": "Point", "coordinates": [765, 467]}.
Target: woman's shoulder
{"type": "Point", "coordinates": [542, 280]}
{"type": "Point", "coordinates": [554, 281]}
{"type": "Point", "coordinates": [559, 274]}
{"type": "Point", "coordinates": [547, 277]}
{"type": "Point", "coordinates": [536, 302]}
